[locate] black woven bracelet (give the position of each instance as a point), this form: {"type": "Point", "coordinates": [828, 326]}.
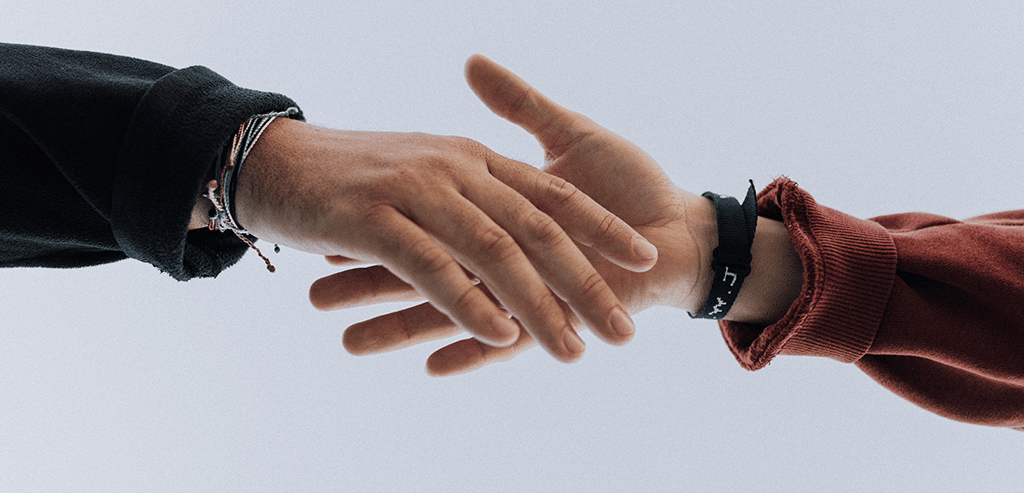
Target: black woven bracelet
{"type": "Point", "coordinates": [731, 260]}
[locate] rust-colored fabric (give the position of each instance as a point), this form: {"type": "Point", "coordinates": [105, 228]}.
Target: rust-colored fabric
{"type": "Point", "coordinates": [930, 307]}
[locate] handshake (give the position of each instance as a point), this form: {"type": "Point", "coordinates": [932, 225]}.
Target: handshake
{"type": "Point", "coordinates": [508, 253]}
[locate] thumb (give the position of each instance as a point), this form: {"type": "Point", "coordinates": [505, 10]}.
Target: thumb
{"type": "Point", "coordinates": [512, 98]}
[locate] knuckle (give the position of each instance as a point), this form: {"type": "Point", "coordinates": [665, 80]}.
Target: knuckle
{"type": "Point", "coordinates": [522, 102]}
{"type": "Point", "coordinates": [564, 132]}
{"type": "Point", "coordinates": [449, 159]}
{"type": "Point", "coordinates": [560, 192]}
{"type": "Point", "coordinates": [428, 259]}
{"type": "Point", "coordinates": [562, 138]}
{"type": "Point", "coordinates": [545, 305]}
{"type": "Point", "coordinates": [466, 144]}
{"type": "Point", "coordinates": [375, 280]}
{"type": "Point", "coordinates": [377, 214]}
{"type": "Point", "coordinates": [465, 300]}
{"type": "Point", "coordinates": [494, 244]}
{"type": "Point", "coordinates": [543, 229]}
{"type": "Point", "coordinates": [396, 184]}
{"type": "Point", "coordinates": [593, 286]}
{"type": "Point", "coordinates": [457, 151]}
{"type": "Point", "coordinates": [608, 226]}
{"type": "Point", "coordinates": [432, 159]}
{"type": "Point", "coordinates": [405, 325]}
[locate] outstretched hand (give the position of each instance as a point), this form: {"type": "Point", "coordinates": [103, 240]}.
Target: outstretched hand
{"type": "Point", "coordinates": [606, 167]}
{"type": "Point", "coordinates": [443, 217]}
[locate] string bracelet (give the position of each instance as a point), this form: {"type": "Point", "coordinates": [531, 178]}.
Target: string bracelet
{"type": "Point", "coordinates": [221, 190]}
{"type": "Point", "coordinates": [730, 261]}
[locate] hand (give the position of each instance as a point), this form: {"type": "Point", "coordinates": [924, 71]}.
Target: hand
{"type": "Point", "coordinates": [441, 215]}
{"type": "Point", "coordinates": [608, 168]}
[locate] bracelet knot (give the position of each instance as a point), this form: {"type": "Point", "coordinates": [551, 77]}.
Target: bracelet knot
{"type": "Point", "coordinates": [730, 261]}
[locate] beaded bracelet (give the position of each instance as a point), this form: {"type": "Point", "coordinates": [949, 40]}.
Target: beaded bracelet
{"type": "Point", "coordinates": [731, 259]}
{"type": "Point", "coordinates": [222, 192]}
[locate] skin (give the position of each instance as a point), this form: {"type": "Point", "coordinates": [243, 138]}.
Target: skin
{"type": "Point", "coordinates": [623, 179]}
{"type": "Point", "coordinates": [476, 234]}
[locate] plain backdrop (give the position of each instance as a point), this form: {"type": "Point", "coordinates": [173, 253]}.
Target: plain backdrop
{"type": "Point", "coordinates": [118, 378]}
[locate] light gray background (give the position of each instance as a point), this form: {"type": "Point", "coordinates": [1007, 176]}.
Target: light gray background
{"type": "Point", "coordinates": [119, 379]}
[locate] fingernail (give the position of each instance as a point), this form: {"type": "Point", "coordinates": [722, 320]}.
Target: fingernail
{"type": "Point", "coordinates": [621, 323]}
{"type": "Point", "coordinates": [643, 249]}
{"type": "Point", "coordinates": [573, 343]}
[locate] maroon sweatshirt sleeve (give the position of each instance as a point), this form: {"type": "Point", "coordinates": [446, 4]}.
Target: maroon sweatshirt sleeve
{"type": "Point", "coordinates": [930, 307]}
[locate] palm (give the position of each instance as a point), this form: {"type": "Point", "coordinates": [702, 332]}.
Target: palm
{"type": "Point", "coordinates": [623, 178]}
{"type": "Point", "coordinates": [630, 184]}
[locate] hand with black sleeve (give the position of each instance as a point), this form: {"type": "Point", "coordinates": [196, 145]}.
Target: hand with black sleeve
{"type": "Point", "coordinates": [107, 157]}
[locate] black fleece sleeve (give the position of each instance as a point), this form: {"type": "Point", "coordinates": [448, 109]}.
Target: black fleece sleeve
{"type": "Point", "coordinates": [103, 158]}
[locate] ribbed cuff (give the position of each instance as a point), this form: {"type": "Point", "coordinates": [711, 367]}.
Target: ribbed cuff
{"type": "Point", "coordinates": [849, 270]}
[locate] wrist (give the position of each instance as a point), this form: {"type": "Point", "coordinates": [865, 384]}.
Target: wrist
{"type": "Point", "coordinates": [702, 226]}
{"type": "Point", "coordinates": [775, 280]}
{"type": "Point", "coordinates": [681, 278]}
{"type": "Point", "coordinates": [253, 200]}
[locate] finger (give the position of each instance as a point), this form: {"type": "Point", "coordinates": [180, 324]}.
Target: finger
{"type": "Point", "coordinates": [470, 354]}
{"type": "Point", "coordinates": [359, 287]}
{"type": "Point", "coordinates": [560, 264]}
{"type": "Point", "coordinates": [398, 330]}
{"type": "Point", "coordinates": [416, 258]}
{"type": "Point", "coordinates": [341, 261]}
{"type": "Point", "coordinates": [512, 98]}
{"type": "Point", "coordinates": [582, 218]}
{"type": "Point", "coordinates": [487, 248]}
